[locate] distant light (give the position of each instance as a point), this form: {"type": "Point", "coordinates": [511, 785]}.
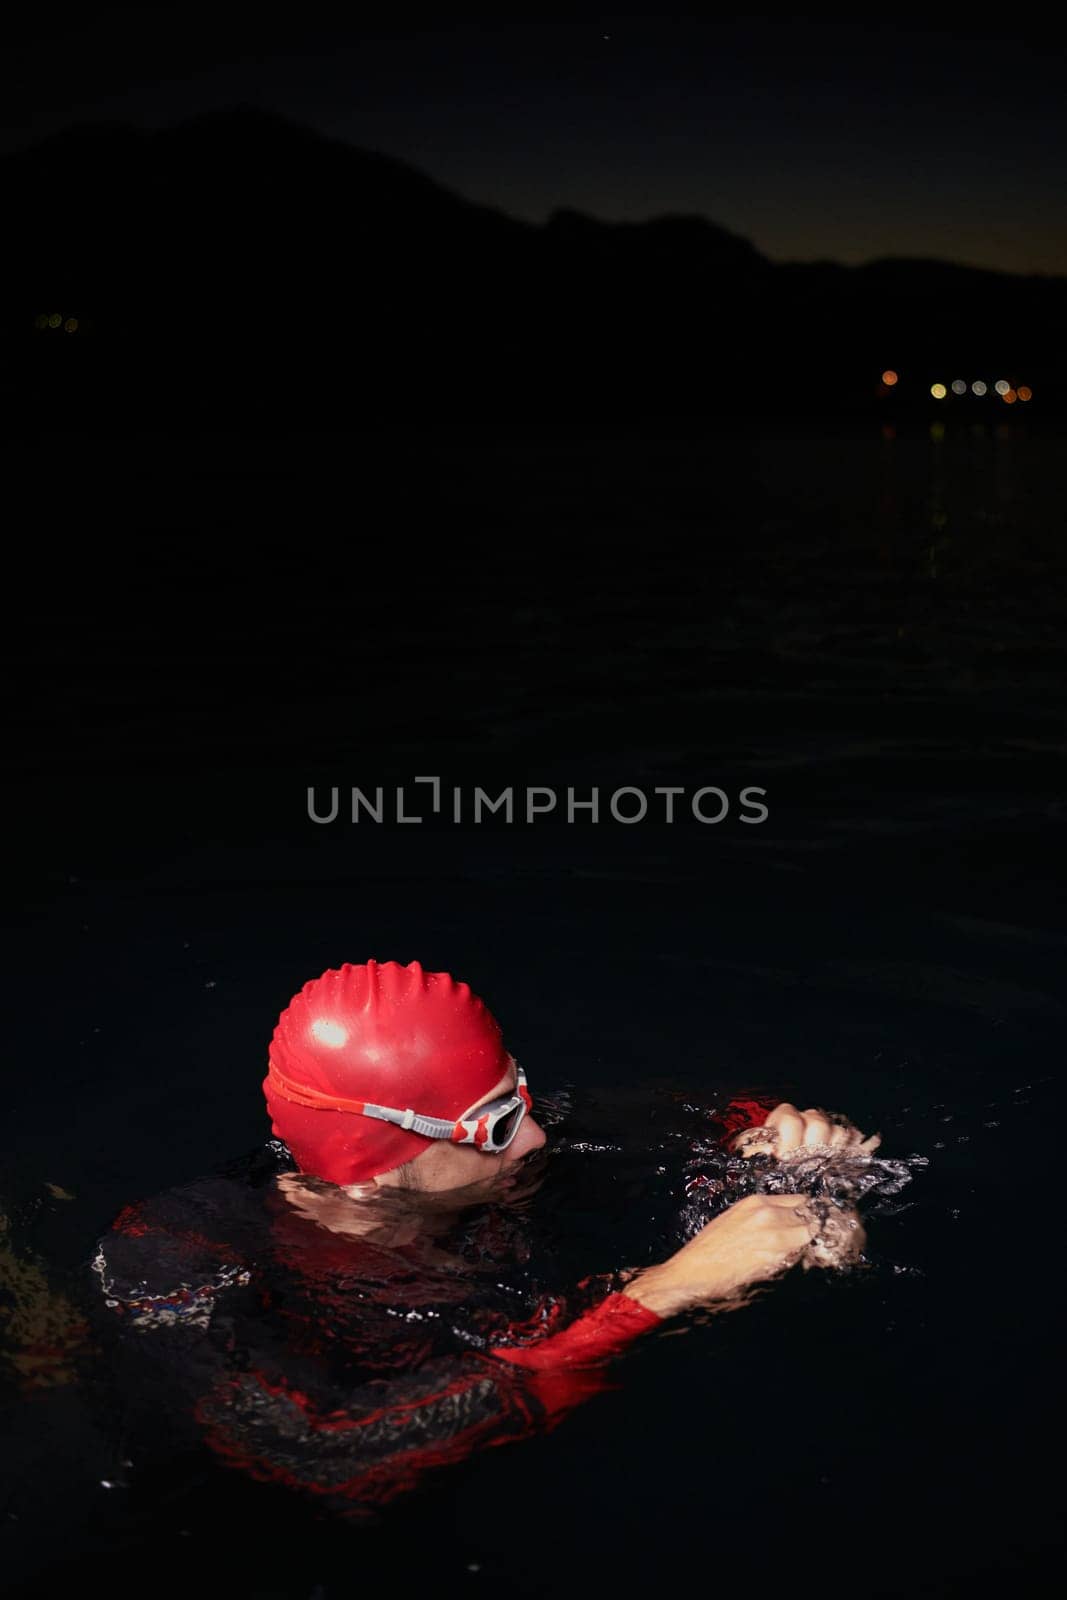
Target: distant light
{"type": "Point", "coordinates": [958, 386]}
{"type": "Point", "coordinates": [937, 431]}
{"type": "Point", "coordinates": [889, 378]}
{"type": "Point", "coordinates": [1010, 397]}
{"type": "Point", "coordinates": [42, 320]}
{"type": "Point", "coordinates": [55, 319]}
{"type": "Point", "coordinates": [979, 387]}
{"type": "Point", "coordinates": [71, 324]}
{"type": "Point", "coordinates": [1002, 386]}
{"type": "Point", "coordinates": [1024, 393]}
{"type": "Point", "coordinates": [938, 391]}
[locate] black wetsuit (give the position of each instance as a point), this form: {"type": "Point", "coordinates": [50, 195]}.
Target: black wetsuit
{"type": "Point", "coordinates": [338, 1367]}
{"type": "Point", "coordinates": [331, 1364]}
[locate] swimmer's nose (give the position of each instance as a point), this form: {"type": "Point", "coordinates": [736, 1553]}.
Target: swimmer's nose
{"type": "Point", "coordinates": [531, 1136]}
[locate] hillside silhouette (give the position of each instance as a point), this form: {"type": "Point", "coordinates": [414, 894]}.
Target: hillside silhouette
{"type": "Point", "coordinates": [239, 266]}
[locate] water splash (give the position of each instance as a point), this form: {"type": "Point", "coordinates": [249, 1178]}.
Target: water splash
{"type": "Point", "coordinates": [834, 1180]}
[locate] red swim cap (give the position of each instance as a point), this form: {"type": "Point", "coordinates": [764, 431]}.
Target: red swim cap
{"type": "Point", "coordinates": [392, 1035]}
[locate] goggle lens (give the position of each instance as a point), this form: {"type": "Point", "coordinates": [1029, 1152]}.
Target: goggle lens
{"type": "Point", "coordinates": [505, 1128]}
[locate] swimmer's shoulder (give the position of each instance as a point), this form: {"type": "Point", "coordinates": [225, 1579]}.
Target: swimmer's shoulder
{"type": "Point", "coordinates": [171, 1253]}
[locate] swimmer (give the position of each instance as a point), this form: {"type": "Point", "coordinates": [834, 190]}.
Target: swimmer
{"type": "Point", "coordinates": [389, 1077]}
{"type": "Point", "coordinates": [317, 1320]}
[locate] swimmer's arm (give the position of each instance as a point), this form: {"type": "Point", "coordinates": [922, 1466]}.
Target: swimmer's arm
{"type": "Point", "coordinates": [387, 1435]}
{"type": "Point", "coordinates": [750, 1242]}
{"type": "Point", "coordinates": [384, 1437]}
{"type": "Point", "coordinates": [567, 1365]}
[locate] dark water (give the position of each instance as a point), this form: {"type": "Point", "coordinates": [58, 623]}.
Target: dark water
{"type": "Point", "coordinates": [870, 629]}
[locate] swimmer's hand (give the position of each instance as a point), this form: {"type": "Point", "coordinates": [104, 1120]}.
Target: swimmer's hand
{"type": "Point", "coordinates": [789, 1132]}
{"type": "Point", "coordinates": [749, 1242]}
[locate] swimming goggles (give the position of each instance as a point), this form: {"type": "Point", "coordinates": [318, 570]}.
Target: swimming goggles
{"type": "Point", "coordinates": [490, 1127]}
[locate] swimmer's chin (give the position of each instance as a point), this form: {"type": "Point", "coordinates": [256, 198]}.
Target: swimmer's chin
{"type": "Point", "coordinates": [507, 1187]}
{"type": "Point", "coordinates": [524, 1177]}
{"type": "Point", "coordinates": [510, 1185]}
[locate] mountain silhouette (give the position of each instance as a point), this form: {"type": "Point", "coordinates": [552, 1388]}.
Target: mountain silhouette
{"type": "Point", "coordinates": [239, 265]}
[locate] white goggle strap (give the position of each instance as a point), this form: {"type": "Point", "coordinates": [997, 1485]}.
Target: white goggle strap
{"type": "Point", "coordinates": [434, 1127]}
{"type": "Point", "coordinates": [429, 1127]}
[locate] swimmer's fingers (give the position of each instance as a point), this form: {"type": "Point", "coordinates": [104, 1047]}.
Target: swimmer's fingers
{"type": "Point", "coordinates": [804, 1243]}
{"type": "Point", "coordinates": [802, 1131]}
{"type": "Point", "coordinates": [818, 1130]}
{"type": "Point", "coordinates": [855, 1140]}
{"type": "Point", "coordinates": [813, 1234]}
{"type": "Point", "coordinates": [794, 1218]}
{"type": "Point", "coordinates": [788, 1125]}
{"type": "Point", "coordinates": [788, 1132]}
{"type": "Point", "coordinates": [838, 1242]}
{"type": "Point", "coordinates": [790, 1218]}
{"type": "Point", "coordinates": [835, 1133]}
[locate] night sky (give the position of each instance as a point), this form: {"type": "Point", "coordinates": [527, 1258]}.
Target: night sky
{"type": "Point", "coordinates": [814, 137]}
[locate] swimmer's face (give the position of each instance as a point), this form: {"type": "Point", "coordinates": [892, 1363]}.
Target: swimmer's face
{"type": "Point", "coordinates": [447, 1166]}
